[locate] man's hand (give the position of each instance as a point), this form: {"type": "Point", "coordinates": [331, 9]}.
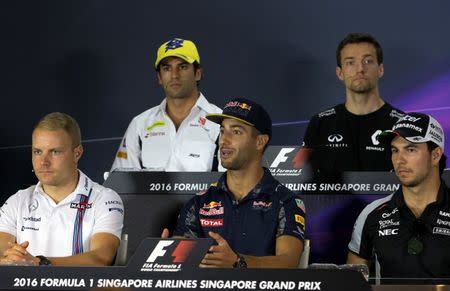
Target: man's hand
{"type": "Point", "coordinates": [18, 254]}
{"type": "Point", "coordinates": [165, 233]}
{"type": "Point", "coordinates": [220, 255]}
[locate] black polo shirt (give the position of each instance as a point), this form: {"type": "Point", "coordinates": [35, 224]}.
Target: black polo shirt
{"type": "Point", "coordinates": [251, 225]}
{"type": "Point", "coordinates": [385, 226]}
{"type": "Point", "coordinates": [337, 140]}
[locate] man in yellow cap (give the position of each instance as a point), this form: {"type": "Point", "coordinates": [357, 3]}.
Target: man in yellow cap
{"type": "Point", "coordinates": [174, 135]}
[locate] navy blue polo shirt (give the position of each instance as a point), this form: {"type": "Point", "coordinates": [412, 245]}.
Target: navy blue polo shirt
{"type": "Point", "coordinates": [250, 226]}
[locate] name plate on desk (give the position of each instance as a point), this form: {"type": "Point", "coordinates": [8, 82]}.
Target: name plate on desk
{"type": "Point", "coordinates": [195, 182]}
{"type": "Point", "coordinates": [160, 182]}
{"type": "Point", "coordinates": [154, 253]}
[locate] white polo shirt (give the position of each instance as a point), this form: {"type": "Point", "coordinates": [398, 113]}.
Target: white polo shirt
{"type": "Point", "coordinates": [152, 142]}
{"type": "Point", "coordinates": [31, 215]}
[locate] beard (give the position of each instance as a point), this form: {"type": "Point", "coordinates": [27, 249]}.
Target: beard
{"type": "Point", "coordinates": [179, 92]}
{"type": "Point", "coordinates": [234, 164]}
{"type": "Point", "coordinates": [414, 182]}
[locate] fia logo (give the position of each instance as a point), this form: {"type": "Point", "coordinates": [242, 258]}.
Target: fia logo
{"type": "Point", "coordinates": [179, 254]}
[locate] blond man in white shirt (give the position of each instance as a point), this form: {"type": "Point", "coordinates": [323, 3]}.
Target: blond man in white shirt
{"type": "Point", "coordinates": [66, 219]}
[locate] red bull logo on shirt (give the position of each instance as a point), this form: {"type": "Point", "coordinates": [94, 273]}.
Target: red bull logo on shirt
{"type": "Point", "coordinates": [211, 212]}
{"type": "Point", "coordinates": [212, 205]}
{"type": "Point", "coordinates": [262, 205]}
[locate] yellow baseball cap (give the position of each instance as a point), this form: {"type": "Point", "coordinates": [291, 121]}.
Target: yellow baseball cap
{"type": "Point", "coordinates": [177, 47]}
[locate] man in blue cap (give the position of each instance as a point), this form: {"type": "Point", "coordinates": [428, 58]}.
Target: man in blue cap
{"type": "Point", "coordinates": [255, 220]}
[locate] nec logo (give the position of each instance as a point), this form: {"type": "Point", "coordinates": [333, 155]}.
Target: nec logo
{"type": "Point", "coordinates": [335, 138]}
{"type": "Point", "coordinates": [179, 254]}
{"type": "Point", "coordinates": [387, 232]}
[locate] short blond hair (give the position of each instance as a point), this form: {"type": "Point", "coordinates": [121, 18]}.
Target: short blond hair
{"type": "Point", "coordinates": [59, 120]}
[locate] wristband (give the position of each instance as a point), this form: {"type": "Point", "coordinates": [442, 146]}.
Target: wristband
{"type": "Point", "coordinates": [44, 261]}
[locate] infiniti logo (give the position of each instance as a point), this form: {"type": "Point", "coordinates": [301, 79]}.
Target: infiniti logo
{"type": "Point", "coordinates": [335, 138]}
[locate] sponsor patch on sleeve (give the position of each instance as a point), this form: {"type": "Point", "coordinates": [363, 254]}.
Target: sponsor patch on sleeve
{"type": "Point", "coordinates": [122, 155]}
{"type": "Point", "coordinates": [300, 204]}
{"type": "Point", "coordinates": [300, 219]}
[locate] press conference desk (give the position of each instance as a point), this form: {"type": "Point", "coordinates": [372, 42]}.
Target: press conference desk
{"type": "Point", "coordinates": [152, 269]}
{"type": "Point", "coordinates": [54, 278]}
{"type": "Point", "coordinates": [164, 273]}
{"type": "Point", "coordinates": [137, 275]}
{"type": "Point", "coordinates": [119, 278]}
{"type": "Point", "coordinates": [113, 278]}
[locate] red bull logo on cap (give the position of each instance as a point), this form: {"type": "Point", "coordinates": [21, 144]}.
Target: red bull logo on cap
{"type": "Point", "coordinates": [244, 106]}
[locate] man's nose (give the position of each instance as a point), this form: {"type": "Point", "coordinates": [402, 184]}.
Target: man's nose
{"type": "Point", "coordinates": [45, 161]}
{"type": "Point", "coordinates": [224, 138]}
{"type": "Point", "coordinates": [174, 73]}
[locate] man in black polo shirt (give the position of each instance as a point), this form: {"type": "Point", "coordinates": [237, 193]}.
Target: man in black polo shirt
{"type": "Point", "coordinates": [408, 232]}
{"type": "Point", "coordinates": [344, 137]}
{"type": "Point", "coordinates": [255, 220]}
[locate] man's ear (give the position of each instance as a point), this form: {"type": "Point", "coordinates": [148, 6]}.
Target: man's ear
{"type": "Point", "coordinates": [261, 141]}
{"type": "Point", "coordinates": [158, 76]}
{"type": "Point", "coordinates": [78, 152]}
{"type": "Point", "coordinates": [198, 74]}
{"type": "Point", "coordinates": [436, 155]}
{"type": "Point", "coordinates": [339, 73]}
{"type": "Point", "coordinates": [380, 70]}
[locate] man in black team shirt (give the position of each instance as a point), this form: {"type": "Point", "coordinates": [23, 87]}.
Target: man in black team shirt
{"type": "Point", "coordinates": [344, 138]}
{"type": "Point", "coordinates": [408, 232]}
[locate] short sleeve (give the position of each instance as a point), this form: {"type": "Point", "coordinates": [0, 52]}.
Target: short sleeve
{"type": "Point", "coordinates": [361, 243]}
{"type": "Point", "coordinates": [291, 217]}
{"type": "Point", "coordinates": [310, 137]}
{"type": "Point", "coordinates": [309, 143]}
{"type": "Point", "coordinates": [109, 213]}
{"type": "Point", "coordinates": [8, 215]}
{"type": "Point", "coordinates": [128, 155]}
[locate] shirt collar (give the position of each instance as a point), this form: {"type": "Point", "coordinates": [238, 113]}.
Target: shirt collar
{"type": "Point", "coordinates": [398, 199]}
{"type": "Point", "coordinates": [201, 103]}
{"type": "Point", "coordinates": [83, 187]}
{"type": "Point", "coordinates": [266, 185]}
